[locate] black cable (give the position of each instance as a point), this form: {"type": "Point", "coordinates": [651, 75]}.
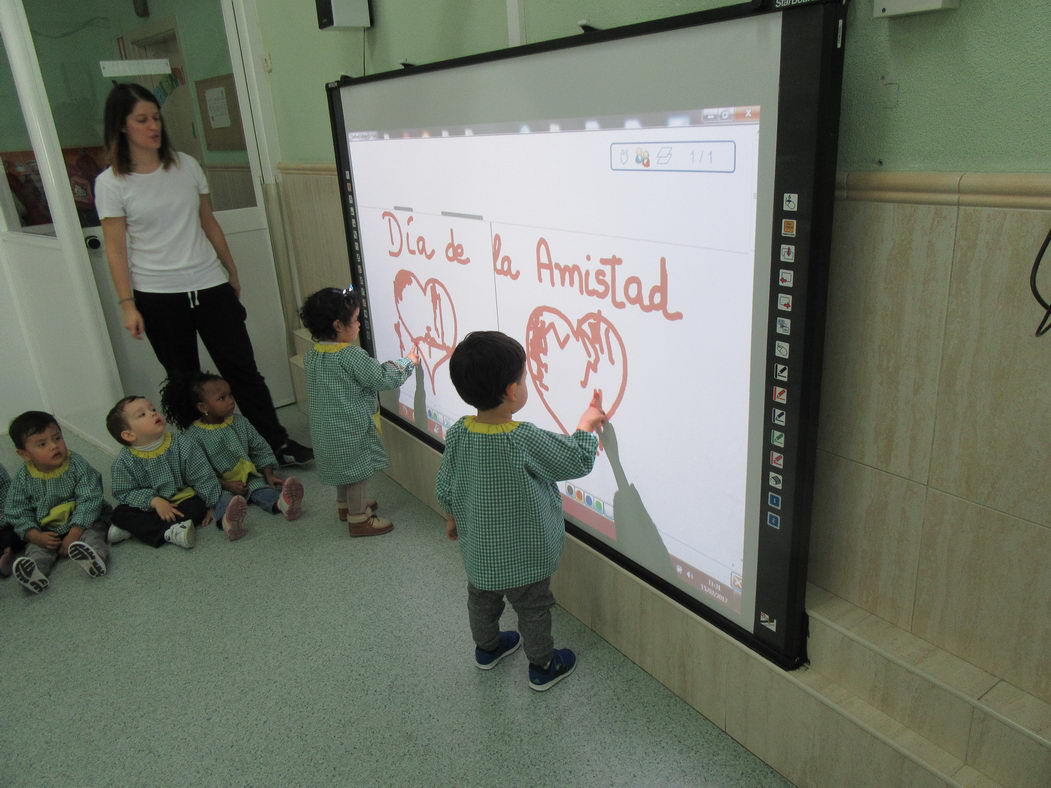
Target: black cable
{"type": "Point", "coordinates": [1045, 323]}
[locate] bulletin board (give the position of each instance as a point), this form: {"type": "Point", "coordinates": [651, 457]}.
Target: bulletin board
{"type": "Point", "coordinates": [220, 113]}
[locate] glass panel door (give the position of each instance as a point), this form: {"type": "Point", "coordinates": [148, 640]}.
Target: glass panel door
{"type": "Point", "coordinates": [73, 39]}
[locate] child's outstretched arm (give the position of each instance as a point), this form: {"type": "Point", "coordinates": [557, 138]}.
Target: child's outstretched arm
{"type": "Point", "coordinates": [375, 376]}
{"type": "Point", "coordinates": [594, 417]}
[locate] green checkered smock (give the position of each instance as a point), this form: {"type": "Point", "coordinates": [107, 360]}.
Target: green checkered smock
{"type": "Point", "coordinates": [342, 383]}
{"type": "Point", "coordinates": [34, 494]}
{"type": "Point", "coordinates": [5, 482]}
{"type": "Point", "coordinates": [233, 441]}
{"type": "Point", "coordinates": [179, 462]}
{"type": "Point", "coordinates": [498, 481]}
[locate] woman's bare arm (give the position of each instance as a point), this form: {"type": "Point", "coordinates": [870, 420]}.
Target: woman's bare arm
{"type": "Point", "coordinates": [115, 237]}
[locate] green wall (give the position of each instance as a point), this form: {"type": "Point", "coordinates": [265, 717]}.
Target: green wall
{"type": "Point", "coordinates": [71, 37]}
{"type": "Point", "coordinates": [958, 90]}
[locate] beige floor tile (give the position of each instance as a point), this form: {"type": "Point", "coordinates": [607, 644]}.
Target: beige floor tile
{"type": "Point", "coordinates": [1022, 708]}
{"type": "Point", "coordinates": [990, 440]}
{"type": "Point", "coordinates": [1007, 755]}
{"type": "Point", "coordinates": [824, 603]}
{"type": "Point", "coordinates": [905, 695]}
{"type": "Point", "coordinates": [888, 286]}
{"type": "Point", "coordinates": [985, 591]}
{"type": "Point", "coordinates": [948, 669]}
{"type": "Point", "coordinates": [684, 653]}
{"type": "Point", "coordinates": [865, 535]}
{"type": "Point", "coordinates": [809, 741]}
{"type": "Point", "coordinates": [969, 777]}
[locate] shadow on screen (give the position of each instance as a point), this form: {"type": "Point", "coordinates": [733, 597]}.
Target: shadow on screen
{"type": "Point", "coordinates": [637, 534]}
{"type": "Point", "coordinates": [419, 401]}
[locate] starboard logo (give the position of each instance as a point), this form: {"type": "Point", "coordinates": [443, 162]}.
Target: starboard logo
{"type": "Point", "coordinates": [787, 3]}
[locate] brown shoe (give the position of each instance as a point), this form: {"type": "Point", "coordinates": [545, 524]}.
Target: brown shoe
{"type": "Point", "coordinates": [370, 507]}
{"type": "Point", "coordinates": [368, 525]}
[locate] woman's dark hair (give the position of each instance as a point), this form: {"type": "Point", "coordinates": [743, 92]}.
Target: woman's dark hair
{"type": "Point", "coordinates": [483, 365]}
{"type": "Point", "coordinates": [323, 308]}
{"type": "Point", "coordinates": [119, 104]}
{"type": "Point", "coordinates": [28, 424]}
{"type": "Point", "coordinates": [180, 395]}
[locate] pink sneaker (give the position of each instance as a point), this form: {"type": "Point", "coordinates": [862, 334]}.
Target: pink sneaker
{"type": "Point", "coordinates": [234, 518]}
{"type": "Point", "coordinates": [291, 498]}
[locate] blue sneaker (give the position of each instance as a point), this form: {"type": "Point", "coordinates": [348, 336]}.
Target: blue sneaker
{"type": "Point", "coordinates": [563, 662]}
{"type": "Point", "coordinates": [487, 660]}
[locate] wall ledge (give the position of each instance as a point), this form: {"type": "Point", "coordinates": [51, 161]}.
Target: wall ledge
{"type": "Point", "coordinates": [971, 189]}
{"type": "Point", "coordinates": [293, 168]}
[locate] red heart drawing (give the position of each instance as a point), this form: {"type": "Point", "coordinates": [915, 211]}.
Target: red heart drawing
{"type": "Point", "coordinates": [588, 355]}
{"type": "Point", "coordinates": [426, 318]}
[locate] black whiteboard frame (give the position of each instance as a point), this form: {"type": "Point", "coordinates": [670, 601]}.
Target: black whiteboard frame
{"type": "Point", "coordinates": [811, 76]}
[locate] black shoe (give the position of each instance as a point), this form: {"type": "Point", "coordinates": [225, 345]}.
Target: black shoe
{"type": "Point", "coordinates": [293, 453]}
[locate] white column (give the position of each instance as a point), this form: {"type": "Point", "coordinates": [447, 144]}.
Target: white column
{"type": "Point", "coordinates": [67, 330]}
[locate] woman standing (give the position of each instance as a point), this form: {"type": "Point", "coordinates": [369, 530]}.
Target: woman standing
{"type": "Point", "coordinates": [171, 266]}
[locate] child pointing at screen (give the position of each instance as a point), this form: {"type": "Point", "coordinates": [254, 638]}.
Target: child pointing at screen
{"type": "Point", "coordinates": [497, 483]}
{"type": "Point", "coordinates": [343, 381]}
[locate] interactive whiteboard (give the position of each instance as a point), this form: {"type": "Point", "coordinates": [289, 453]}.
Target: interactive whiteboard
{"type": "Point", "coordinates": [611, 205]}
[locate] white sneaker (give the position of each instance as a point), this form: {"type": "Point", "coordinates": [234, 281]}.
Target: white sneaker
{"type": "Point", "coordinates": [182, 534]}
{"type": "Point", "coordinates": [85, 556]}
{"type": "Point", "coordinates": [115, 534]}
{"type": "Point", "coordinates": [29, 575]}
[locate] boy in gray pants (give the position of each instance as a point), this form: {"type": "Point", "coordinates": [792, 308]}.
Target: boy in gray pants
{"type": "Point", "coordinates": [54, 503]}
{"type": "Point", "coordinates": [497, 484]}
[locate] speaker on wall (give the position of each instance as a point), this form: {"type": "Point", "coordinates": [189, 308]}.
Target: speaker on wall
{"type": "Point", "coordinates": [343, 13]}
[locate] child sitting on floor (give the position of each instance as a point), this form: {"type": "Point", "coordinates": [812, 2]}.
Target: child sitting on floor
{"type": "Point", "coordinates": [54, 503]}
{"type": "Point", "coordinates": [202, 405]}
{"type": "Point", "coordinates": [11, 544]}
{"type": "Point", "coordinates": [162, 482]}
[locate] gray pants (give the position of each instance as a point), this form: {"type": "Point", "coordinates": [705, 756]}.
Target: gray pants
{"type": "Point", "coordinates": [94, 537]}
{"type": "Point", "coordinates": [533, 605]}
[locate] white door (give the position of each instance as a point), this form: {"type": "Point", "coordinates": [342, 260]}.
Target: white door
{"type": "Point", "coordinates": [197, 46]}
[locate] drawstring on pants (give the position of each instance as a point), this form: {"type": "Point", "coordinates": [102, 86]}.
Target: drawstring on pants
{"type": "Point", "coordinates": [194, 302]}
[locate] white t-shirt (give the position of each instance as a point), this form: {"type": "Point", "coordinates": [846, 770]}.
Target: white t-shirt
{"type": "Point", "coordinates": [168, 251]}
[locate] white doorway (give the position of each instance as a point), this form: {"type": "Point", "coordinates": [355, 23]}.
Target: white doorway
{"type": "Point", "coordinates": [198, 46]}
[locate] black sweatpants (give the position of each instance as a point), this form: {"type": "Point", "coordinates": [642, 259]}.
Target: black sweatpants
{"type": "Point", "coordinates": [173, 321]}
{"type": "Point", "coordinates": [147, 526]}
{"type": "Point", "coordinates": [8, 538]}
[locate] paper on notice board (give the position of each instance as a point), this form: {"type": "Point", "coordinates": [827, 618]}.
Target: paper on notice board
{"type": "Point", "coordinates": [218, 108]}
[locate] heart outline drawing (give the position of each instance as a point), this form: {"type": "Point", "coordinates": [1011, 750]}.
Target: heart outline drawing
{"type": "Point", "coordinates": [596, 344]}
{"type": "Point", "coordinates": [436, 337]}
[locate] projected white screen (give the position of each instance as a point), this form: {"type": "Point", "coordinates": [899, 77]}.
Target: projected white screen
{"type": "Point", "coordinates": [620, 249]}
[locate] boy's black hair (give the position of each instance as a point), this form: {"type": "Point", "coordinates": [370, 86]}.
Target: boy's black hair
{"type": "Point", "coordinates": [180, 395]}
{"type": "Point", "coordinates": [323, 308]}
{"type": "Point", "coordinates": [483, 365]}
{"type": "Point", "coordinates": [29, 423]}
{"type": "Point", "coordinates": [116, 422]}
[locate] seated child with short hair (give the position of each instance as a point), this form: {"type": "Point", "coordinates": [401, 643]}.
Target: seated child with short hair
{"type": "Point", "coordinates": [54, 503]}
{"type": "Point", "coordinates": [11, 544]}
{"type": "Point", "coordinates": [202, 406]}
{"type": "Point", "coordinates": [162, 482]}
{"type": "Point", "coordinates": [497, 482]}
